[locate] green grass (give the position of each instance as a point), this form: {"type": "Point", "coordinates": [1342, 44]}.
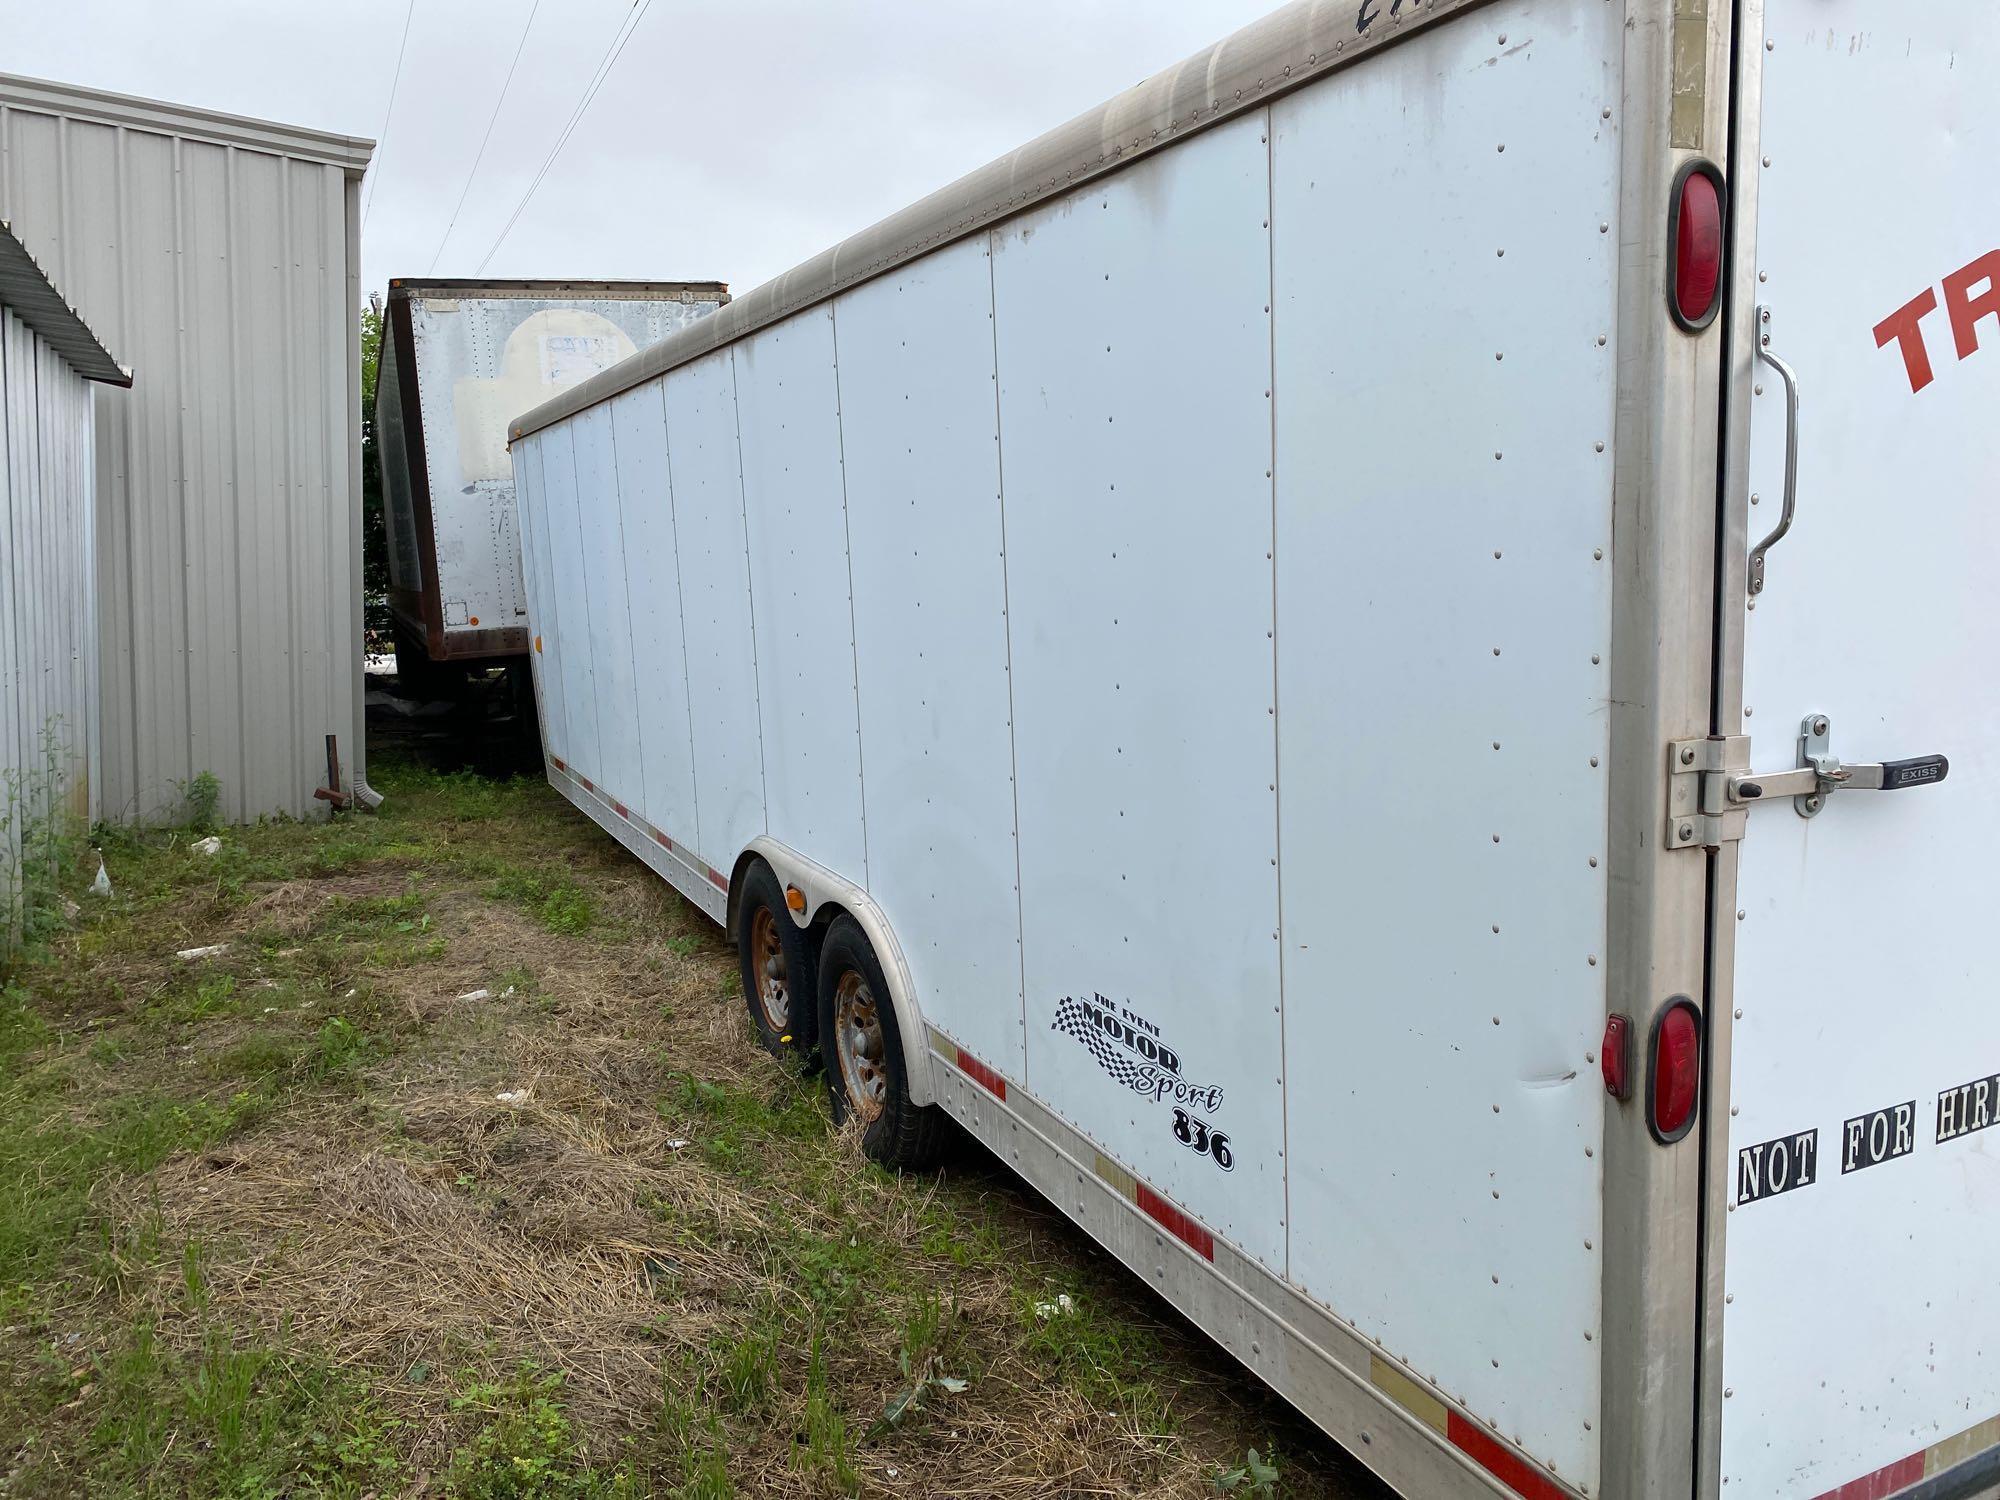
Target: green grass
{"type": "Point", "coordinates": [808, 1320]}
{"type": "Point", "coordinates": [523, 1446]}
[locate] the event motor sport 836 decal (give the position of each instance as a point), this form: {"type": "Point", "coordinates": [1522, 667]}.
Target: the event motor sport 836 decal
{"type": "Point", "coordinates": [1131, 1050]}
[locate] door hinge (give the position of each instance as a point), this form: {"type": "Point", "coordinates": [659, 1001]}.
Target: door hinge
{"type": "Point", "coordinates": [1711, 788]}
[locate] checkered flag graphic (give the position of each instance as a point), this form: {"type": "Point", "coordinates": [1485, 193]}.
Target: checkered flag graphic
{"type": "Point", "coordinates": [1070, 1018]}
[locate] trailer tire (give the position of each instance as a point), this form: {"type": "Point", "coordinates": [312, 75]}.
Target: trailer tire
{"type": "Point", "coordinates": [863, 1048]}
{"type": "Point", "coordinates": [779, 973]}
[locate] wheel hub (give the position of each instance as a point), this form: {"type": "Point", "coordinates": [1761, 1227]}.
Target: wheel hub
{"type": "Point", "coordinates": [767, 965]}
{"type": "Point", "coordinates": [859, 1042]}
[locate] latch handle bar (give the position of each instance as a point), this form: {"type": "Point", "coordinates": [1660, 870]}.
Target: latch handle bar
{"type": "Point", "coordinates": [1865, 776]}
{"type": "Point", "coordinates": [1710, 793]}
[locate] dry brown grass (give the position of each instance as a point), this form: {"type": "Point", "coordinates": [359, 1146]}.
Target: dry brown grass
{"type": "Point", "coordinates": [414, 1231]}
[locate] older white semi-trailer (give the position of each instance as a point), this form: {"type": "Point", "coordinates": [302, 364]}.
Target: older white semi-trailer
{"type": "Point", "coordinates": [1311, 657]}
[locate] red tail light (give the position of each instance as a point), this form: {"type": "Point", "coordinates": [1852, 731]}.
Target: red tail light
{"type": "Point", "coordinates": [1676, 1070]}
{"type": "Point", "coordinates": [1696, 236]}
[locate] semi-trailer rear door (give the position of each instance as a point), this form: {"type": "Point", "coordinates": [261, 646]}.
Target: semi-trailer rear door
{"type": "Point", "coordinates": [1858, 1074]}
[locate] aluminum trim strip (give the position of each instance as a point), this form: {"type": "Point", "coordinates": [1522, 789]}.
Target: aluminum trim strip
{"type": "Point", "coordinates": [1287, 50]}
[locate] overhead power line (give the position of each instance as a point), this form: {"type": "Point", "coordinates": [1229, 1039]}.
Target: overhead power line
{"type": "Point", "coordinates": [609, 61]}
{"type": "Point", "coordinates": [382, 142]}
{"type": "Point", "coordinates": [519, 47]}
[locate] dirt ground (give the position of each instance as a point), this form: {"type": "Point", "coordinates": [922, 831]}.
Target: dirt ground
{"type": "Point", "coordinates": [428, 1153]}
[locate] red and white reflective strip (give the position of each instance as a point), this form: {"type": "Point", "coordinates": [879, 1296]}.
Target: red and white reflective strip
{"type": "Point", "coordinates": [1939, 1458]}
{"type": "Point", "coordinates": [1513, 1469]}
{"type": "Point", "coordinates": [716, 877]}
{"type": "Point", "coordinates": [1177, 1221]}
{"type": "Point", "coordinates": [987, 1078]}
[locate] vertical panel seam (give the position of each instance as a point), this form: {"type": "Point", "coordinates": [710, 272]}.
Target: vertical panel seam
{"type": "Point", "coordinates": [847, 542]}
{"type": "Point", "coordinates": [1277, 777]}
{"type": "Point", "coordinates": [179, 484]}
{"type": "Point", "coordinates": [750, 593]}
{"type": "Point", "coordinates": [1007, 635]}
{"type": "Point", "coordinates": [233, 204]}
{"type": "Point", "coordinates": [583, 578]}
{"type": "Point", "coordinates": [618, 499]}
{"type": "Point", "coordinates": [680, 606]}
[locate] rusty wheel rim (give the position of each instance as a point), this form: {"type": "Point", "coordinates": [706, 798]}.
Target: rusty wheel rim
{"type": "Point", "coordinates": [767, 967]}
{"type": "Point", "coordinates": [858, 1040]}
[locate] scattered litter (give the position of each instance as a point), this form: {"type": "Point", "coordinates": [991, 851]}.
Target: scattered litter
{"type": "Point", "coordinates": [513, 1097]}
{"type": "Point", "coordinates": [350, 994]}
{"type": "Point", "coordinates": [191, 954]}
{"type": "Point", "coordinates": [70, 910]}
{"type": "Point", "coordinates": [210, 845]}
{"type": "Point", "coordinates": [270, 1010]}
{"type": "Point", "coordinates": [101, 886]}
{"type": "Point", "coordinates": [508, 993]}
{"type": "Point", "coordinates": [477, 995]}
{"type": "Point", "coordinates": [678, 1145]}
{"type": "Point", "coordinates": [1062, 1307]}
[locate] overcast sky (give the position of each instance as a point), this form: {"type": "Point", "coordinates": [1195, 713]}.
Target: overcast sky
{"type": "Point", "coordinates": [731, 141]}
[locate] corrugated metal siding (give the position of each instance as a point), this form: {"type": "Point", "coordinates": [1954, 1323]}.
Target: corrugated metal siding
{"type": "Point", "coordinates": [228, 486]}
{"type": "Point", "coordinates": [47, 622]}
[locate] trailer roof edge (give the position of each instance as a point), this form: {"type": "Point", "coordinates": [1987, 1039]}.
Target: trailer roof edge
{"type": "Point", "coordinates": [1286, 50]}
{"type": "Point", "coordinates": [401, 288]}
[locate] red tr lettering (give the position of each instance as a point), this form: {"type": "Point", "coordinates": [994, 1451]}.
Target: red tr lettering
{"type": "Point", "coordinates": [1966, 310]}
{"type": "Point", "coordinates": [1902, 325]}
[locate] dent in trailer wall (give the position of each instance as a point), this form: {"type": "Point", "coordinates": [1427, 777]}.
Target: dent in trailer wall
{"type": "Point", "coordinates": [216, 256]}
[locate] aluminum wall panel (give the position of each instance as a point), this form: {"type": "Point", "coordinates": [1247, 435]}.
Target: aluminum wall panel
{"type": "Point", "coordinates": [570, 623]}
{"type": "Point", "coordinates": [545, 648]}
{"type": "Point", "coordinates": [919, 425]}
{"type": "Point", "coordinates": [795, 519]}
{"type": "Point", "coordinates": [715, 579]}
{"type": "Point", "coordinates": [47, 625]}
{"type": "Point", "coordinates": [218, 258]}
{"type": "Point", "coordinates": [601, 539]}
{"type": "Point", "coordinates": [1138, 514]}
{"type": "Point", "coordinates": [653, 597]}
{"type": "Point", "coordinates": [1444, 628]}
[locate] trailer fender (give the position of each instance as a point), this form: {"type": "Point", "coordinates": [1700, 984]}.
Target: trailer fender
{"type": "Point", "coordinates": [826, 894]}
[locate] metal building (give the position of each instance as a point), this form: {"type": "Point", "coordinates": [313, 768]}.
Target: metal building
{"type": "Point", "coordinates": [48, 626]}
{"type": "Point", "coordinates": [221, 256]}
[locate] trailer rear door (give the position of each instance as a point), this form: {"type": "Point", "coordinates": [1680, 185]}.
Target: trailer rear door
{"type": "Point", "coordinates": [1861, 1316]}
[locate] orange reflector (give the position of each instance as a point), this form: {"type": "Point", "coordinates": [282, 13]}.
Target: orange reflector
{"type": "Point", "coordinates": [795, 898]}
{"type": "Point", "coordinates": [538, 645]}
{"type": "Point", "coordinates": [473, 621]}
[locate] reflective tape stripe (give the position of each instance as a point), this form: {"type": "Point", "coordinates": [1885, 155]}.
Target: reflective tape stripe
{"type": "Point", "coordinates": [980, 1074]}
{"type": "Point", "coordinates": [1503, 1463]}
{"type": "Point", "coordinates": [1407, 1394]}
{"type": "Point", "coordinates": [1940, 1458]}
{"type": "Point", "coordinates": [1175, 1221]}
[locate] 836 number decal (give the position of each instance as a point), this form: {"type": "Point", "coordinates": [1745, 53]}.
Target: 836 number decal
{"type": "Point", "coordinates": [1199, 1136]}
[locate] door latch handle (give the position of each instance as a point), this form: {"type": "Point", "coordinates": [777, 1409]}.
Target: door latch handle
{"type": "Point", "coordinates": [1821, 773]}
{"type": "Point", "coordinates": [1791, 496]}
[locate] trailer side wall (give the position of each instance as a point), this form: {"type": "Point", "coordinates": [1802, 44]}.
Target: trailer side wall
{"type": "Point", "coordinates": [1010, 582]}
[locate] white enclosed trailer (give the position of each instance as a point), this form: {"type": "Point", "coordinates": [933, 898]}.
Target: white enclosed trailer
{"type": "Point", "coordinates": [1292, 656]}
{"type": "Point", "coordinates": [459, 359]}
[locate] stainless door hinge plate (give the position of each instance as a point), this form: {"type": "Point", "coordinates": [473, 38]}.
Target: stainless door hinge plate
{"type": "Point", "coordinates": [1699, 812]}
